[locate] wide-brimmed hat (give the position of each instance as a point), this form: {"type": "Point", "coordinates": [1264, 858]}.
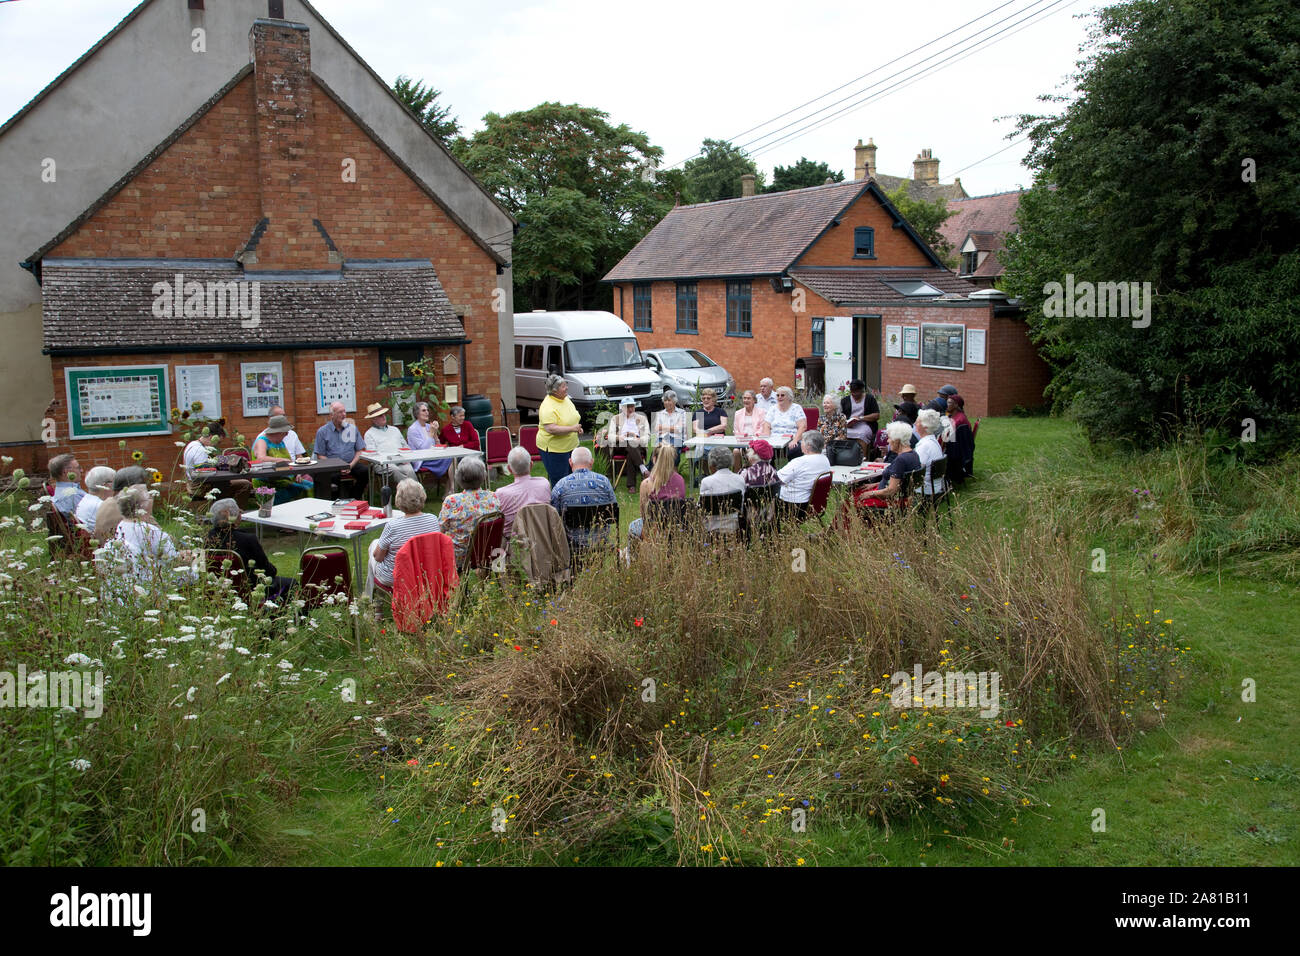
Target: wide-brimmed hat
{"type": "Point", "coordinates": [374, 409]}
{"type": "Point", "coordinates": [626, 402]}
{"type": "Point", "coordinates": [762, 448]}
{"type": "Point", "coordinates": [278, 423]}
{"type": "Point", "coordinates": [907, 390]}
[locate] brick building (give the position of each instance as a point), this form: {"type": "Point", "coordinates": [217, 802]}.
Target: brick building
{"type": "Point", "coordinates": [261, 153]}
{"type": "Point", "coordinates": [977, 232]}
{"type": "Point", "coordinates": [833, 272]}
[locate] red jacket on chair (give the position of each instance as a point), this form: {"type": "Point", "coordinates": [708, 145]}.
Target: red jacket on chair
{"type": "Point", "coordinates": [423, 576]}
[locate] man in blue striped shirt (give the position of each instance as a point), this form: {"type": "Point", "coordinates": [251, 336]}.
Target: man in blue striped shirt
{"type": "Point", "coordinates": [582, 486]}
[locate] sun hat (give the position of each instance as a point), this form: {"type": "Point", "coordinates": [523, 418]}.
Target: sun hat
{"type": "Point", "coordinates": [627, 401]}
{"type": "Point", "coordinates": [907, 390]}
{"type": "Point", "coordinates": [762, 448]}
{"type": "Point", "coordinates": [374, 409]}
{"type": "Point", "coordinates": [278, 423]}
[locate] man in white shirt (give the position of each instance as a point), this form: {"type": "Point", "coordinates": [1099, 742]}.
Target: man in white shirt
{"type": "Point", "coordinates": [723, 481]}
{"type": "Point", "coordinates": [524, 490]}
{"type": "Point", "coordinates": [291, 442]}
{"type": "Point", "coordinates": [99, 488]}
{"type": "Point", "coordinates": [799, 476]}
{"type": "Point", "coordinates": [766, 397]}
{"type": "Point", "coordinates": [386, 439]}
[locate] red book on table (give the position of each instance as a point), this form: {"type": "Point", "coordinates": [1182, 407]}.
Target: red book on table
{"type": "Point", "coordinates": [357, 525]}
{"type": "Point", "coordinates": [325, 524]}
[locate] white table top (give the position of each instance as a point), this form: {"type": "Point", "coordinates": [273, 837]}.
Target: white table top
{"type": "Point", "coordinates": [718, 441]}
{"type": "Point", "coordinates": [428, 454]}
{"type": "Point", "coordinates": [854, 474]}
{"type": "Point", "coordinates": [292, 516]}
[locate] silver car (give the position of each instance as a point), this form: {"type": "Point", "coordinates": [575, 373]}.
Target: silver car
{"type": "Point", "coordinates": [686, 371]}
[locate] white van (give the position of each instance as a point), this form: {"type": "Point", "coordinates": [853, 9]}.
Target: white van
{"type": "Point", "coordinates": [596, 353]}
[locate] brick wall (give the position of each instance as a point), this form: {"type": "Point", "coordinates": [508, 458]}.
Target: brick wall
{"type": "Point", "coordinates": [203, 196]}
{"type": "Point", "coordinates": [1017, 373]}
{"type": "Point", "coordinates": [972, 383]}
{"type": "Point", "coordinates": [893, 246]}
{"type": "Point", "coordinates": [299, 371]}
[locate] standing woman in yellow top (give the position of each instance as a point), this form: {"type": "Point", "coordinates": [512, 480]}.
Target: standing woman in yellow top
{"type": "Point", "coordinates": [560, 426]}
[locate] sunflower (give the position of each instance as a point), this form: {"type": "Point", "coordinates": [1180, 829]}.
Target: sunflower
{"type": "Point", "coordinates": [196, 406]}
{"type": "Point", "coordinates": [155, 476]}
{"type": "Point", "coordinates": [137, 455]}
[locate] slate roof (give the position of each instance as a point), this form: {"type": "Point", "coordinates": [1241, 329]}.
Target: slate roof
{"type": "Point", "coordinates": [860, 286]}
{"type": "Point", "coordinates": [107, 306]}
{"type": "Point", "coordinates": [750, 236]}
{"type": "Point", "coordinates": [947, 191]}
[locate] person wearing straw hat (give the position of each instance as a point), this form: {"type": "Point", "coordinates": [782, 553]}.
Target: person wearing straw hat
{"type": "Point", "coordinates": [907, 407]}
{"type": "Point", "coordinates": [270, 447]}
{"type": "Point", "coordinates": [386, 439]}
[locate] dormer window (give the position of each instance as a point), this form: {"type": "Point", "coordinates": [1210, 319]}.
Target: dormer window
{"type": "Point", "coordinates": [969, 263]}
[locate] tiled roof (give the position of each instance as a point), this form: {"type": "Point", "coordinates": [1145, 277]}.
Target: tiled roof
{"type": "Point", "coordinates": [856, 286]}
{"type": "Point", "coordinates": [950, 192]}
{"type": "Point", "coordinates": [753, 235]}
{"type": "Point", "coordinates": [106, 305]}
{"type": "Point", "coordinates": [996, 213]}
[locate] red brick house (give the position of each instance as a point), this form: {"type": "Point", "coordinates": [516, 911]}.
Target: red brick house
{"type": "Point", "coordinates": [831, 271]}
{"type": "Point", "coordinates": [978, 231]}
{"type": "Point", "coordinates": [272, 231]}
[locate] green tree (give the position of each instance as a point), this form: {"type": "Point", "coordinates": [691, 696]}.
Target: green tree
{"type": "Point", "coordinates": [421, 100]}
{"type": "Point", "coordinates": [715, 173]}
{"type": "Point", "coordinates": [583, 189]}
{"type": "Point", "coordinates": [1177, 163]}
{"type": "Point", "coordinates": [801, 175]}
{"type": "Point", "coordinates": [926, 218]}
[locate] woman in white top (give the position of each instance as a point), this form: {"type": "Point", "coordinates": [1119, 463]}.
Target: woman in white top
{"type": "Point", "coordinates": [670, 424]}
{"type": "Point", "coordinates": [929, 425]}
{"type": "Point", "coordinates": [140, 551]}
{"type": "Point", "coordinates": [99, 488]}
{"type": "Point", "coordinates": [787, 422]}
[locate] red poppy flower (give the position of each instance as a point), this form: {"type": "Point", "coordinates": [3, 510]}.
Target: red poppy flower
{"type": "Point", "coordinates": [552, 620]}
{"type": "Point", "coordinates": [518, 648]}
{"type": "Point", "coordinates": [914, 760]}
{"type": "Point", "coordinates": [1011, 723]}
{"type": "Point", "coordinates": [965, 597]}
{"type": "Point", "coordinates": [638, 622]}
{"type": "Point", "coordinates": [413, 762]}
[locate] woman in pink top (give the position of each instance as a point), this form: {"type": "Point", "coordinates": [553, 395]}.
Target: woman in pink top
{"type": "Point", "coordinates": [751, 423]}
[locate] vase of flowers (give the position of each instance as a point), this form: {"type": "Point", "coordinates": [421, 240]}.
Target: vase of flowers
{"type": "Point", "coordinates": [265, 500]}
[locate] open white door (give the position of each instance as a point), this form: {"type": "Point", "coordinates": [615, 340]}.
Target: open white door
{"type": "Point", "coordinates": [839, 351]}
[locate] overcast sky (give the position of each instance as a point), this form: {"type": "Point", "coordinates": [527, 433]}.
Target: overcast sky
{"type": "Point", "coordinates": [683, 70]}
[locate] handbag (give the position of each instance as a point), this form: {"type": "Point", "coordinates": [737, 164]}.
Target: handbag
{"type": "Point", "coordinates": [845, 452]}
{"type": "Point", "coordinates": [236, 464]}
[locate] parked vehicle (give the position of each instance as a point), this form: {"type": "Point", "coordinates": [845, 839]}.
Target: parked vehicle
{"type": "Point", "coordinates": [596, 353]}
{"type": "Point", "coordinates": [686, 371]}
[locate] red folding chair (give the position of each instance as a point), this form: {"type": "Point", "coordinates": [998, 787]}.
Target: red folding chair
{"type": "Point", "coordinates": [485, 543]}
{"type": "Point", "coordinates": [223, 563]}
{"type": "Point", "coordinates": [528, 438]}
{"type": "Point", "coordinates": [821, 493]}
{"type": "Point", "coordinates": [324, 570]}
{"type": "Point", "coordinates": [814, 415]}
{"type": "Point", "coordinates": [499, 445]}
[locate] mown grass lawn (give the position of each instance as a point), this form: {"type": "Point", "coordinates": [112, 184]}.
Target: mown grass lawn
{"type": "Point", "coordinates": [1212, 781]}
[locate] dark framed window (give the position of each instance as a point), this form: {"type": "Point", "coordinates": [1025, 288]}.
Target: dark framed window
{"type": "Point", "coordinates": [395, 365]}
{"type": "Point", "coordinates": [818, 336]}
{"type": "Point", "coordinates": [739, 308]}
{"type": "Point", "coordinates": [533, 357]}
{"type": "Point", "coordinates": [688, 308]}
{"type": "Point", "coordinates": [554, 363]}
{"type": "Point", "coordinates": [641, 308]}
{"type": "Point", "coordinates": [864, 243]}
{"type": "Point", "coordinates": [968, 263]}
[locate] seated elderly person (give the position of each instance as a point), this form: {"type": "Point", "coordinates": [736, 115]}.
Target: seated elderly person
{"type": "Point", "coordinates": [462, 510]}
{"type": "Point", "coordinates": [385, 439]}
{"type": "Point", "coordinates": [409, 519]}
{"type": "Point", "coordinates": [889, 490]}
{"type": "Point", "coordinates": [271, 446]}
{"type": "Point", "coordinates": [800, 475]}
{"type": "Point", "coordinates": [109, 514]}
{"type": "Point", "coordinates": [928, 450]}
{"type": "Point", "coordinates": [99, 488]}
{"type": "Point", "coordinates": [458, 433]}
{"type": "Point", "coordinates": [840, 449]}
{"type": "Point", "coordinates": [140, 552]}
{"type": "Point", "coordinates": [664, 483]}
{"type": "Point", "coordinates": [627, 433]}
{"type": "Point", "coordinates": [722, 481]}
{"type": "Point", "coordinates": [524, 490]}
{"type": "Point", "coordinates": [291, 439]}
{"type": "Point", "coordinates": [671, 423]}
{"type": "Point", "coordinates": [65, 472]}
{"type": "Point", "coordinates": [581, 487]}
{"type": "Point", "coordinates": [788, 423]}
{"type": "Point", "coordinates": [862, 412]}
{"type": "Point", "coordinates": [226, 535]}
{"type": "Point", "coordinates": [339, 438]}
{"type": "Point", "coordinates": [422, 436]}
{"type": "Point", "coordinates": [200, 452]}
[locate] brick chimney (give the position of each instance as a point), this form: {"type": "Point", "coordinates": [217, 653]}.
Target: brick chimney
{"type": "Point", "coordinates": [864, 160]}
{"type": "Point", "coordinates": [925, 168]}
{"type": "Point", "coordinates": [747, 184]}
{"type": "Point", "coordinates": [290, 235]}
